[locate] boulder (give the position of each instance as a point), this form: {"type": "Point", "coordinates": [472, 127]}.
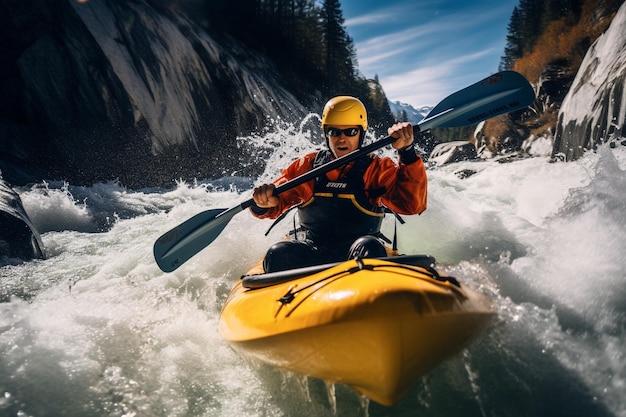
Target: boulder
{"type": "Point", "coordinates": [449, 152]}
{"type": "Point", "coordinates": [18, 236]}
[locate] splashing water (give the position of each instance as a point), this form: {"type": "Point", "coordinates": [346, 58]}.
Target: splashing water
{"type": "Point", "coordinates": [97, 329]}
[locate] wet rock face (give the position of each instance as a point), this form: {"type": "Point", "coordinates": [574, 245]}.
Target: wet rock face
{"type": "Point", "coordinates": [18, 237]}
{"type": "Point", "coordinates": [449, 152]}
{"type": "Point", "coordinates": [93, 91]}
{"type": "Point", "coordinates": [554, 84]}
{"type": "Point", "coordinates": [594, 110]}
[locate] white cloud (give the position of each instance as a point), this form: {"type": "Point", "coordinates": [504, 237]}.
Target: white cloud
{"type": "Point", "coordinates": [393, 13]}
{"type": "Point", "coordinates": [370, 18]}
{"type": "Point", "coordinates": [429, 85]}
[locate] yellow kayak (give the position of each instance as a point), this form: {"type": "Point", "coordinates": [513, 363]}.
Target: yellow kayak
{"type": "Point", "coordinates": [375, 325]}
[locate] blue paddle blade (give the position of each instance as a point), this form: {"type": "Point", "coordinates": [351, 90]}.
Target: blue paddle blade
{"type": "Point", "coordinates": [188, 238]}
{"type": "Point", "coordinates": [497, 94]}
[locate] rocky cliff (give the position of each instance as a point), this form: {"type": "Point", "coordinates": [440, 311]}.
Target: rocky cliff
{"type": "Point", "coordinates": [594, 109]}
{"type": "Point", "coordinates": [110, 89]}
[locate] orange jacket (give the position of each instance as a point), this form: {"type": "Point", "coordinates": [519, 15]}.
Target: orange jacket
{"type": "Point", "coordinates": [405, 185]}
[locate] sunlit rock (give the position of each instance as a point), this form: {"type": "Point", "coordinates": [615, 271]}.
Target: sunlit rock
{"type": "Point", "coordinates": [594, 110]}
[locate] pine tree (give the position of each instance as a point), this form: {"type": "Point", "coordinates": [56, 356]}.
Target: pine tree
{"type": "Point", "coordinates": [340, 55]}
{"type": "Point", "coordinates": [532, 22]}
{"type": "Point", "coordinates": [514, 48]}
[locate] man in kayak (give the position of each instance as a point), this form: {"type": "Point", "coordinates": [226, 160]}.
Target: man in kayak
{"type": "Point", "coordinates": [341, 212]}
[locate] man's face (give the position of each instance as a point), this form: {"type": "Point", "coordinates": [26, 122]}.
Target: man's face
{"type": "Point", "coordinates": [343, 139]}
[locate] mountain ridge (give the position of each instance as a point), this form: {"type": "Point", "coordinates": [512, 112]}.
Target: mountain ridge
{"type": "Point", "coordinates": [406, 112]}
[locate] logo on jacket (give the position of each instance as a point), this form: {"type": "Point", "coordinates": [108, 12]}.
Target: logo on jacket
{"type": "Point", "coordinates": [337, 185]}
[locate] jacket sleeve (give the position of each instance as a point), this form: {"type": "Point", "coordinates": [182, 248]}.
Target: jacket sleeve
{"type": "Point", "coordinates": [405, 184]}
{"type": "Point", "coordinates": [293, 196]}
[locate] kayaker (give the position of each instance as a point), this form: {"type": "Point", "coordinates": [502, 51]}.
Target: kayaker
{"type": "Point", "coordinates": [341, 212]}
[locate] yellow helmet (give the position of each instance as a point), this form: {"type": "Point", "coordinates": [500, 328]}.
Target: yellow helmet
{"type": "Point", "coordinates": [344, 110]}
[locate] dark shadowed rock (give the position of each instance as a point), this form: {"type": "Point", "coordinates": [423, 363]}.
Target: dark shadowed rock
{"type": "Point", "coordinates": [18, 236]}
{"type": "Point", "coordinates": [92, 91]}
{"type": "Point", "coordinates": [553, 84]}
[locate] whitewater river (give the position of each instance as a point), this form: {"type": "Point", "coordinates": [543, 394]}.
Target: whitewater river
{"type": "Point", "coordinates": [98, 330]}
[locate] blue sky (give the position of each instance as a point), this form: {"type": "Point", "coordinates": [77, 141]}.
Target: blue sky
{"type": "Point", "coordinates": [424, 50]}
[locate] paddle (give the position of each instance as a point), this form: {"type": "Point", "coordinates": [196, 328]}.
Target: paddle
{"type": "Point", "coordinates": [500, 93]}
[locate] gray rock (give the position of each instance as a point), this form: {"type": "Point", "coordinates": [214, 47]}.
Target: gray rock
{"type": "Point", "coordinates": [18, 236]}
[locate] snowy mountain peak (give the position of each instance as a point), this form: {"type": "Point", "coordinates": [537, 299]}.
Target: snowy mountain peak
{"type": "Point", "coordinates": [413, 115]}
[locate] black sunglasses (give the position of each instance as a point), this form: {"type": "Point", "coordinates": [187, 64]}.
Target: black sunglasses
{"type": "Point", "coordinates": [336, 132]}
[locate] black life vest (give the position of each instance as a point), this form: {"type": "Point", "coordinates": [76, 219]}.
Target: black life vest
{"type": "Point", "coordinates": [341, 210]}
